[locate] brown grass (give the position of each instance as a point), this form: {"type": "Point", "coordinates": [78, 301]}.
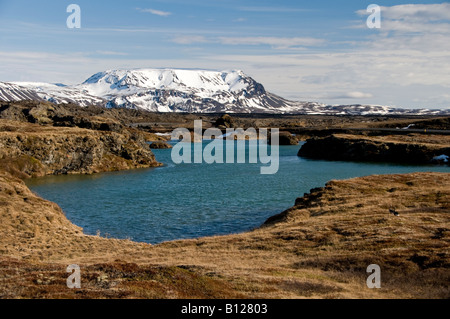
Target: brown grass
{"type": "Point", "coordinates": [428, 140]}
{"type": "Point", "coordinates": [317, 249]}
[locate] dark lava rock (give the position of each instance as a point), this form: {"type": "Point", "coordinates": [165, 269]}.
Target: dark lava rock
{"type": "Point", "coordinates": [339, 148]}
{"type": "Point", "coordinates": [45, 113]}
{"type": "Point", "coordinates": [285, 138]}
{"type": "Point", "coordinates": [225, 121]}
{"type": "Point", "coordinates": [160, 145]}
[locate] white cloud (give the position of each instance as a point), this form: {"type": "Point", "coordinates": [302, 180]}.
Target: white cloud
{"type": "Point", "coordinates": [190, 39]}
{"type": "Point", "coordinates": [406, 62]}
{"type": "Point", "coordinates": [418, 12]}
{"type": "Point", "coordinates": [374, 76]}
{"type": "Point", "coordinates": [111, 53]}
{"type": "Point", "coordinates": [403, 78]}
{"type": "Point", "coordinates": [275, 42]}
{"type": "Point", "coordinates": [424, 12]}
{"type": "Point", "coordinates": [156, 12]}
{"type": "Point", "coordinates": [342, 95]}
{"type": "Point", "coordinates": [271, 9]}
{"type": "Point", "coordinates": [409, 56]}
{"type": "Point", "coordinates": [414, 18]}
{"type": "Point", "coordinates": [349, 95]}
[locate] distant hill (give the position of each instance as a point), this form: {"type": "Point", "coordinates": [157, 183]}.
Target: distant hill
{"type": "Point", "coordinates": [192, 91]}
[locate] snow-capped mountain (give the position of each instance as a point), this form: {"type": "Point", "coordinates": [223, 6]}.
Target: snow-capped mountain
{"type": "Point", "coordinates": [55, 93]}
{"type": "Point", "coordinates": [13, 92]}
{"type": "Point", "coordinates": [175, 90]}
{"type": "Point", "coordinates": [170, 90]}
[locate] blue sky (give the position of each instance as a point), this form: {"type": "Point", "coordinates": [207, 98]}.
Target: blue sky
{"type": "Point", "coordinates": [303, 50]}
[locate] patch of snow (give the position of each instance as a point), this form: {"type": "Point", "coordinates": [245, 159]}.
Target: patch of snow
{"type": "Point", "coordinates": [441, 158]}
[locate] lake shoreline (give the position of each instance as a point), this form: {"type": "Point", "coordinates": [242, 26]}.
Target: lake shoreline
{"type": "Point", "coordinates": [38, 235]}
{"type": "Point", "coordinates": [318, 248]}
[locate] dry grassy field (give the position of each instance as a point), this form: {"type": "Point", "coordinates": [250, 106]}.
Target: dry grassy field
{"type": "Point", "coordinates": [320, 248]}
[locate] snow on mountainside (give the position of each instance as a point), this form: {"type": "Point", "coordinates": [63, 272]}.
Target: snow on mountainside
{"type": "Point", "coordinates": [175, 90]}
{"type": "Point", "coordinates": [59, 93]}
{"type": "Point", "coordinates": [170, 90]}
{"type": "Point", "coordinates": [13, 92]}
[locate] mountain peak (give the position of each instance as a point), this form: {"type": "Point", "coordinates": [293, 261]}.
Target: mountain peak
{"type": "Point", "coordinates": [168, 90]}
{"type": "Point", "coordinates": [182, 90]}
{"type": "Point", "coordinates": [169, 79]}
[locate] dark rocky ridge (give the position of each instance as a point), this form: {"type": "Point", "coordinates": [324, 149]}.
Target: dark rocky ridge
{"type": "Point", "coordinates": [301, 125]}
{"type": "Point", "coordinates": [68, 115]}
{"type": "Point", "coordinates": [224, 122]}
{"type": "Point", "coordinates": [360, 148]}
{"type": "Point", "coordinates": [285, 138]}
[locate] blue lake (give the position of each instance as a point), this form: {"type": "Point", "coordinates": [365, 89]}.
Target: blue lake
{"type": "Point", "coordinates": [180, 201]}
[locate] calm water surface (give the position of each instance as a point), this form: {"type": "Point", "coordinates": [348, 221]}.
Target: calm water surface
{"type": "Point", "coordinates": [194, 200]}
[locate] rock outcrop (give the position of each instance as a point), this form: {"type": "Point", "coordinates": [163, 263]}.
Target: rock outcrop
{"type": "Point", "coordinates": [45, 113]}
{"type": "Point", "coordinates": [285, 138]}
{"type": "Point", "coordinates": [35, 150]}
{"type": "Point", "coordinates": [160, 145]}
{"type": "Point", "coordinates": [224, 122]}
{"type": "Point", "coordinates": [400, 149]}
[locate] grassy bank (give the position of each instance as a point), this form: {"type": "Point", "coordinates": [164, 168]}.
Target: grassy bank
{"type": "Point", "coordinates": [320, 248]}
